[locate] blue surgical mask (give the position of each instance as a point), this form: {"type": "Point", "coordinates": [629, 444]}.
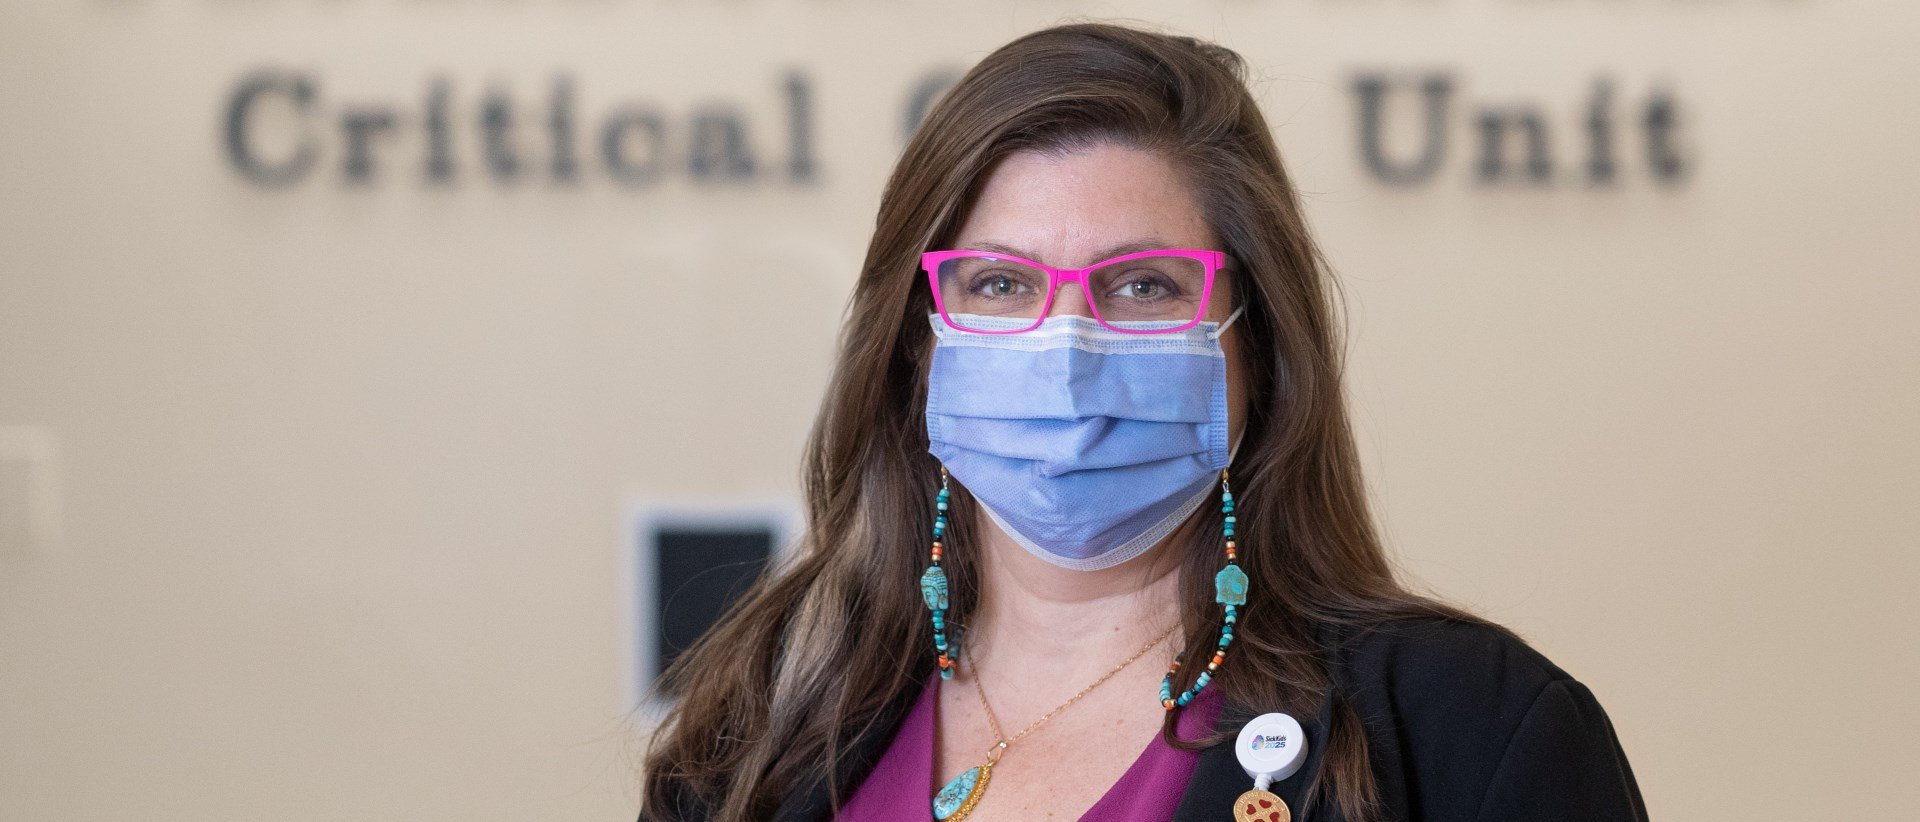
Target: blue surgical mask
{"type": "Point", "coordinates": [1085, 444]}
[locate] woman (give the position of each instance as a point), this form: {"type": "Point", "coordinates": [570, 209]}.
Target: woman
{"type": "Point", "coordinates": [1082, 501]}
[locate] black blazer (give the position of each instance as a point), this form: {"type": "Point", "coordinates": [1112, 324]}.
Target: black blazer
{"type": "Point", "coordinates": [1464, 724]}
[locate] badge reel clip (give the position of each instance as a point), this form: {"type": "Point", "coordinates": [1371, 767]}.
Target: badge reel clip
{"type": "Point", "coordinates": [1272, 747]}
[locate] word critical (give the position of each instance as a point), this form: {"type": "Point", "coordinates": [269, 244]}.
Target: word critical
{"type": "Point", "coordinates": [278, 132]}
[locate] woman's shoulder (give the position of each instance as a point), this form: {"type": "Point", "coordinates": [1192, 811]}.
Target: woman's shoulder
{"type": "Point", "coordinates": [1442, 655]}
{"type": "Point", "coordinates": [1467, 714]}
{"type": "Point", "coordinates": [1447, 671]}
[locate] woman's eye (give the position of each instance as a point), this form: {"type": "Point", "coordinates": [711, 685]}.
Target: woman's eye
{"type": "Point", "coordinates": [998, 285]}
{"type": "Point", "coordinates": [1144, 286]}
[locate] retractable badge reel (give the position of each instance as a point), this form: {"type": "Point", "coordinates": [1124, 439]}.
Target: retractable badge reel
{"type": "Point", "coordinates": [1270, 748]}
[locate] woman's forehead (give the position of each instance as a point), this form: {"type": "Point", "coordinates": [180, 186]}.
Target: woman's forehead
{"type": "Point", "coordinates": [1076, 208]}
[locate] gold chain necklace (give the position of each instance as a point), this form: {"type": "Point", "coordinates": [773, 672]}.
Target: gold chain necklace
{"type": "Point", "coordinates": [956, 801]}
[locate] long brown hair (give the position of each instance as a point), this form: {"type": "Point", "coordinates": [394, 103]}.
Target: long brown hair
{"type": "Point", "coordinates": [771, 697]}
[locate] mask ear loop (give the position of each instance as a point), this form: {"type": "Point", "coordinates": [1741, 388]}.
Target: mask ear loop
{"type": "Point", "coordinates": [933, 584]}
{"type": "Point", "coordinates": [1230, 592]}
{"type": "Point", "coordinates": [1229, 321]}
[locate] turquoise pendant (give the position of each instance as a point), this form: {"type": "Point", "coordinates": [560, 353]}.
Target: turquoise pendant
{"type": "Point", "coordinates": [955, 801]}
{"type": "Point", "coordinates": [1230, 586]}
{"type": "Point", "coordinates": [933, 588]}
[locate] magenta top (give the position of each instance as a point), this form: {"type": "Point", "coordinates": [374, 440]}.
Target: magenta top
{"type": "Point", "coordinates": [901, 785]}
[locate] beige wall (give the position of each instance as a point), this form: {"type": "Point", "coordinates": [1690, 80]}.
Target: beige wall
{"type": "Point", "coordinates": [338, 473]}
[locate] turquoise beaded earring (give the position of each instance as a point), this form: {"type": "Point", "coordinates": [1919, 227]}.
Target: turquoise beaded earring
{"type": "Point", "coordinates": [1229, 590]}
{"type": "Point", "coordinates": [933, 584]}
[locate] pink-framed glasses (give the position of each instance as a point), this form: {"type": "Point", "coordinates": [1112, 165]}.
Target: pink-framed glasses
{"type": "Point", "coordinates": [981, 291]}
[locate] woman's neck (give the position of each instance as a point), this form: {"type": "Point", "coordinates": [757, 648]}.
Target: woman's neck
{"type": "Point", "coordinates": [1044, 621]}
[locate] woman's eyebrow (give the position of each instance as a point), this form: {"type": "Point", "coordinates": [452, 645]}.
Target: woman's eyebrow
{"type": "Point", "coordinates": [1129, 247]}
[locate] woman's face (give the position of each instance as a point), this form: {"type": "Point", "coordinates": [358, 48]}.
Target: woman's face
{"type": "Point", "coordinates": [1072, 210]}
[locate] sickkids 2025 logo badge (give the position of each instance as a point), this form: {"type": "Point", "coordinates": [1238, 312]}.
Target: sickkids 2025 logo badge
{"type": "Point", "coordinates": [1263, 742]}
